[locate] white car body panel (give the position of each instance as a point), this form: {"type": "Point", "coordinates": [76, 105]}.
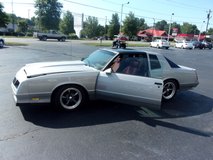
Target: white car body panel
{"type": "Point", "coordinates": [134, 89]}
{"type": "Point", "coordinates": [184, 44]}
{"type": "Point", "coordinates": [160, 43]}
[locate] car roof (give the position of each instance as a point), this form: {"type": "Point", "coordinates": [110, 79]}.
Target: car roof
{"type": "Point", "coordinates": [129, 51]}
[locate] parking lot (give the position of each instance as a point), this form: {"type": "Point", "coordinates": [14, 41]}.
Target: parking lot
{"type": "Point", "coordinates": [182, 130]}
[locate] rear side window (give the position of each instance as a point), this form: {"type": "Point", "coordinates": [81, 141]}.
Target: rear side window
{"type": "Point", "coordinates": [154, 62]}
{"type": "Point", "coordinates": [172, 64]}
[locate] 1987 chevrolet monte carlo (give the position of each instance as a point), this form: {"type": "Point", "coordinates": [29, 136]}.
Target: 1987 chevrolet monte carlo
{"type": "Point", "coordinates": [127, 76]}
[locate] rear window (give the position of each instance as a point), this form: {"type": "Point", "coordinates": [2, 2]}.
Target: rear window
{"type": "Point", "coordinates": [172, 64]}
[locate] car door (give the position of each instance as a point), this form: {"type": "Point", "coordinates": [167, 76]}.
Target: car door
{"type": "Point", "coordinates": [128, 88]}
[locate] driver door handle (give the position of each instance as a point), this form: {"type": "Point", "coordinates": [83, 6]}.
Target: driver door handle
{"type": "Point", "coordinates": [158, 83]}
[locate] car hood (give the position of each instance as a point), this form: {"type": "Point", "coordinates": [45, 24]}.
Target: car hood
{"type": "Point", "coordinates": [45, 68]}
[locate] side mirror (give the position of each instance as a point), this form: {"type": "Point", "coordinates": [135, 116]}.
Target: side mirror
{"type": "Point", "coordinates": [82, 59]}
{"type": "Point", "coordinates": [108, 71]}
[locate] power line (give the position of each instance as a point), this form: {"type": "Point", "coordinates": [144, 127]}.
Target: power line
{"type": "Point", "coordinates": [86, 5]}
{"type": "Point", "coordinates": [181, 5]}
{"type": "Point", "coordinates": [113, 11]}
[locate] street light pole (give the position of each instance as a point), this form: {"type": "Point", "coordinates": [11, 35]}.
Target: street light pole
{"type": "Point", "coordinates": [153, 29]}
{"type": "Point", "coordinates": [122, 5]}
{"type": "Point", "coordinates": [13, 23]}
{"type": "Point", "coordinates": [200, 31]}
{"type": "Point", "coordinates": [170, 27]}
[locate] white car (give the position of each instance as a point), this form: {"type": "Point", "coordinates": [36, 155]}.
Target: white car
{"type": "Point", "coordinates": [184, 45]}
{"type": "Point", "coordinates": [160, 43]}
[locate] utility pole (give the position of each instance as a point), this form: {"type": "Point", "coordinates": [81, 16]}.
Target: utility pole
{"type": "Point", "coordinates": [13, 16]}
{"type": "Point", "coordinates": [122, 5]}
{"type": "Point", "coordinates": [208, 18]}
{"type": "Point", "coordinates": [170, 27]}
{"type": "Point", "coordinates": [153, 29]}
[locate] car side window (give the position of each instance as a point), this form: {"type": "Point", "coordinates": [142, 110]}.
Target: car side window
{"type": "Point", "coordinates": [155, 66]}
{"type": "Point", "coordinates": [132, 64]}
{"type": "Point", "coordinates": [154, 62]}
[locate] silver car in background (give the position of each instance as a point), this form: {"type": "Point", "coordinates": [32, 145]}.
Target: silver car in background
{"type": "Point", "coordinates": [127, 76]}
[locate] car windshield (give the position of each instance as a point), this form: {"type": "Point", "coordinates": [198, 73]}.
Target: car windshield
{"type": "Point", "coordinates": [99, 59]}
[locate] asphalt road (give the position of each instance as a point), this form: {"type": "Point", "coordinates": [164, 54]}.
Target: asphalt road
{"type": "Point", "coordinates": [182, 130]}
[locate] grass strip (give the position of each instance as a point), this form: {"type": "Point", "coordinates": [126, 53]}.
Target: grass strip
{"type": "Point", "coordinates": [15, 44]}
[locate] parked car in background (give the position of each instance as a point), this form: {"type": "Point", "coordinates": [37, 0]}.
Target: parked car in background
{"type": "Point", "coordinates": [43, 36]}
{"type": "Point", "coordinates": [1, 42]}
{"type": "Point", "coordinates": [198, 44]}
{"type": "Point", "coordinates": [184, 44]}
{"type": "Point", "coordinates": [207, 44]}
{"type": "Point", "coordinates": [126, 76]}
{"type": "Point", "coordinates": [160, 43]}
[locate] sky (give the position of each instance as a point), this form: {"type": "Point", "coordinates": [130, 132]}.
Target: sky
{"type": "Point", "coordinates": [191, 11]}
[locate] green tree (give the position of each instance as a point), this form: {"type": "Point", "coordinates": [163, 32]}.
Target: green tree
{"type": "Point", "coordinates": [101, 30]}
{"type": "Point", "coordinates": [4, 20]}
{"type": "Point", "coordinates": [22, 26]}
{"type": "Point", "coordinates": [67, 24]}
{"type": "Point", "coordinates": [90, 27]}
{"type": "Point", "coordinates": [48, 12]}
{"type": "Point", "coordinates": [162, 25]}
{"type": "Point", "coordinates": [114, 26]}
{"type": "Point", "coordinates": [175, 25]}
{"type": "Point", "coordinates": [12, 18]}
{"type": "Point", "coordinates": [210, 31]}
{"type": "Point", "coordinates": [141, 24]}
{"type": "Point", "coordinates": [130, 25]}
{"type": "Point", "coordinates": [189, 28]}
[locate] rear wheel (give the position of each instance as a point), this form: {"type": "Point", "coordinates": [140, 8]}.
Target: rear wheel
{"type": "Point", "coordinates": [169, 90]}
{"type": "Point", "coordinates": [69, 97]}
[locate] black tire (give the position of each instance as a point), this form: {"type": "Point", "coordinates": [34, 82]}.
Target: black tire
{"type": "Point", "coordinates": [44, 38]}
{"type": "Point", "coordinates": [169, 90]}
{"type": "Point", "coordinates": [63, 39]}
{"type": "Point", "coordinates": [1, 44]}
{"type": "Point", "coordinates": [69, 97]}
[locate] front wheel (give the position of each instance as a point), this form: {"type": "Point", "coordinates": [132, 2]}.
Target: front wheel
{"type": "Point", "coordinates": [69, 97]}
{"type": "Point", "coordinates": [169, 90]}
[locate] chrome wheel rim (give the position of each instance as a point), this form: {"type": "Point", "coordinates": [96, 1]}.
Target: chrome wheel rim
{"type": "Point", "coordinates": [169, 90]}
{"type": "Point", "coordinates": [70, 98]}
